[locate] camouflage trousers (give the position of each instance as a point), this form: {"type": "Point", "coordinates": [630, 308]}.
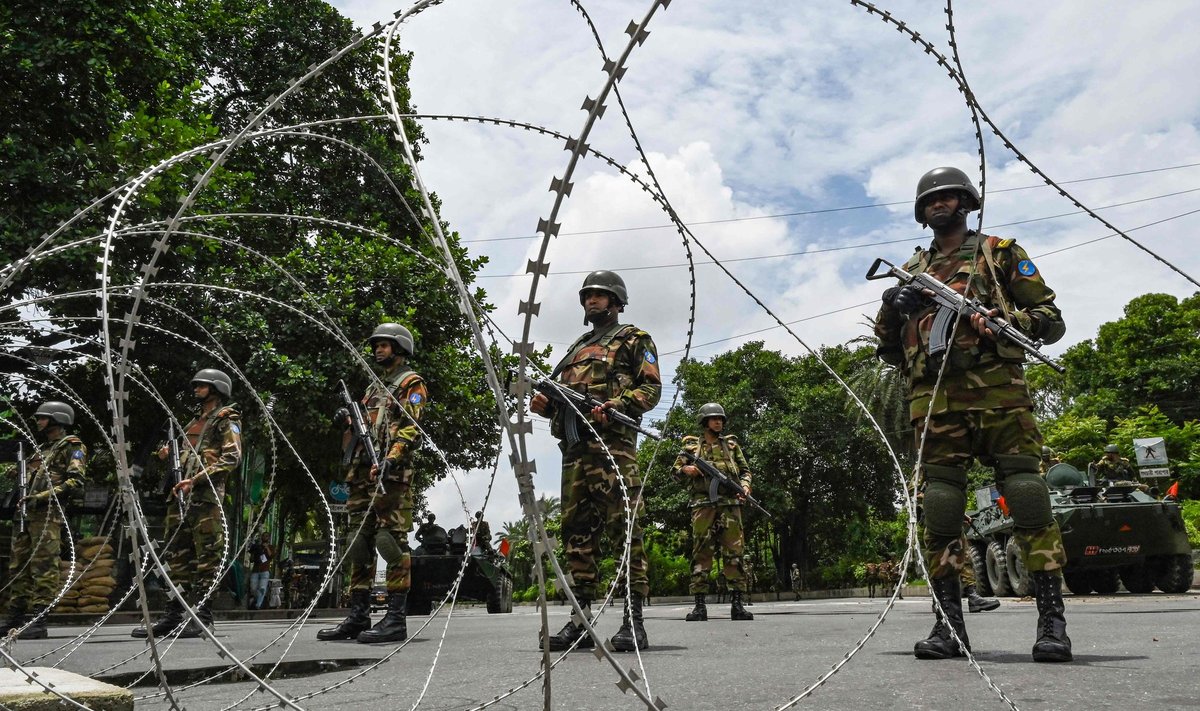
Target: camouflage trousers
{"type": "Point", "coordinates": [717, 526]}
{"type": "Point", "coordinates": [592, 505]}
{"type": "Point", "coordinates": [957, 438]}
{"type": "Point", "coordinates": [195, 544]}
{"type": "Point", "coordinates": [33, 568]}
{"type": "Point", "coordinates": [385, 527]}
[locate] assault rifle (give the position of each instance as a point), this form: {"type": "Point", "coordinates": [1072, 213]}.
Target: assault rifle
{"type": "Point", "coordinates": [951, 304]}
{"type": "Point", "coordinates": [22, 487]}
{"type": "Point", "coordinates": [174, 466]}
{"type": "Point", "coordinates": [352, 414]}
{"type": "Point", "coordinates": [717, 481]}
{"type": "Point", "coordinates": [571, 402]}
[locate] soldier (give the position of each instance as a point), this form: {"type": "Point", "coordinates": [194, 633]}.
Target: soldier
{"type": "Point", "coordinates": [196, 537]}
{"type": "Point", "coordinates": [715, 524]}
{"type": "Point", "coordinates": [57, 470]}
{"type": "Point", "coordinates": [393, 408]}
{"type": "Point", "coordinates": [432, 537]}
{"type": "Point", "coordinates": [797, 580]}
{"type": "Point", "coordinates": [982, 408]}
{"type": "Point", "coordinates": [618, 365]}
{"type": "Point", "coordinates": [1112, 467]}
{"type": "Point", "coordinates": [1049, 459]}
{"type": "Point", "coordinates": [483, 534]}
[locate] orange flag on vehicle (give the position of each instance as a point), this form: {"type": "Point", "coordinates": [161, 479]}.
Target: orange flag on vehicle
{"type": "Point", "coordinates": [1003, 505]}
{"type": "Point", "coordinates": [1173, 492]}
{"type": "Point", "coordinates": [505, 546]}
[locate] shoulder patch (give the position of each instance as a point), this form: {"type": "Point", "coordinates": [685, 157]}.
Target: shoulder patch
{"type": "Point", "coordinates": [650, 358]}
{"type": "Point", "coordinates": [1026, 267]}
{"type": "Point", "coordinates": [235, 428]}
{"type": "Point", "coordinates": [415, 398]}
{"type": "Point", "coordinates": [78, 454]}
{"type": "Point", "coordinates": [1005, 243]}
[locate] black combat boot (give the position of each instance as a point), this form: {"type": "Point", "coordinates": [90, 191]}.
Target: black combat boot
{"type": "Point", "coordinates": [699, 613]}
{"type": "Point", "coordinates": [1053, 644]}
{"type": "Point", "coordinates": [573, 630]}
{"type": "Point", "coordinates": [392, 627]}
{"type": "Point", "coordinates": [37, 629]}
{"type": "Point", "coordinates": [172, 618]}
{"type": "Point", "coordinates": [357, 622]}
{"type": "Point", "coordinates": [939, 644]}
{"type": "Point", "coordinates": [193, 629]}
{"type": "Point", "coordinates": [16, 617]}
{"type": "Point", "coordinates": [632, 634]}
{"type": "Point", "coordinates": [736, 611]}
{"type": "Point", "coordinates": [977, 602]}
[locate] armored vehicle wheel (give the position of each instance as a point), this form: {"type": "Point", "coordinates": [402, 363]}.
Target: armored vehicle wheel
{"type": "Point", "coordinates": [1079, 582]}
{"type": "Point", "coordinates": [1018, 577]}
{"type": "Point", "coordinates": [1175, 575]}
{"type": "Point", "coordinates": [500, 598]}
{"type": "Point", "coordinates": [1138, 578]}
{"type": "Point", "coordinates": [1105, 581]}
{"type": "Point", "coordinates": [418, 605]}
{"type": "Point", "coordinates": [977, 559]}
{"type": "Point", "coordinates": [997, 570]}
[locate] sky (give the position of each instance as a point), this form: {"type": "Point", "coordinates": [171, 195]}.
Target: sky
{"type": "Point", "coordinates": [755, 109]}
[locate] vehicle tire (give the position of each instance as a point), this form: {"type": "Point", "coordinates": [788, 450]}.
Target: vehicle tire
{"type": "Point", "coordinates": [418, 605]}
{"type": "Point", "coordinates": [1105, 581]}
{"type": "Point", "coordinates": [1079, 582]}
{"type": "Point", "coordinates": [977, 559]}
{"type": "Point", "coordinates": [500, 598]}
{"type": "Point", "coordinates": [997, 570]}
{"type": "Point", "coordinates": [1138, 578]}
{"type": "Point", "coordinates": [1018, 577]}
{"type": "Point", "coordinates": [1175, 575]}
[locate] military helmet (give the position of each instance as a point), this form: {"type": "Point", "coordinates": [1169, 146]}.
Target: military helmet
{"type": "Point", "coordinates": [606, 281]}
{"type": "Point", "coordinates": [1064, 476]}
{"type": "Point", "coordinates": [60, 412]}
{"type": "Point", "coordinates": [430, 517]}
{"type": "Point", "coordinates": [395, 333]}
{"type": "Point", "coordinates": [1047, 452]}
{"type": "Point", "coordinates": [215, 378]}
{"type": "Point", "coordinates": [712, 409]}
{"type": "Point", "coordinates": [1111, 449]}
{"type": "Point", "coordinates": [939, 179]}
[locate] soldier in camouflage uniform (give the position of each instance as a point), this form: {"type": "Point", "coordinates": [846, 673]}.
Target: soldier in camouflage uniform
{"type": "Point", "coordinates": [58, 471]}
{"type": "Point", "coordinates": [616, 364]}
{"type": "Point", "coordinates": [715, 524]}
{"type": "Point", "coordinates": [393, 409]}
{"type": "Point", "coordinates": [1049, 459]}
{"type": "Point", "coordinates": [1112, 467]}
{"type": "Point", "coordinates": [209, 454]}
{"type": "Point", "coordinates": [982, 408]}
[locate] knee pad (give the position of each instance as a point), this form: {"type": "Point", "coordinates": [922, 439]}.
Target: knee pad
{"type": "Point", "coordinates": [945, 499]}
{"type": "Point", "coordinates": [1028, 500]}
{"type": "Point", "coordinates": [387, 546]}
{"type": "Point", "coordinates": [358, 551]}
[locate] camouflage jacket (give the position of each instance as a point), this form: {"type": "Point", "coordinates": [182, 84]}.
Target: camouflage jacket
{"type": "Point", "coordinates": [59, 466]}
{"type": "Point", "coordinates": [393, 409]}
{"type": "Point", "coordinates": [619, 363]}
{"type": "Point", "coordinates": [726, 455]}
{"type": "Point", "coordinates": [212, 453]}
{"type": "Point", "coordinates": [982, 373]}
{"type": "Point", "coordinates": [1120, 470]}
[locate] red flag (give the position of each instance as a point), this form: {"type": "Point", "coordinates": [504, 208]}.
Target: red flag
{"type": "Point", "coordinates": [1173, 492]}
{"type": "Point", "coordinates": [505, 546]}
{"type": "Point", "coordinates": [1003, 505]}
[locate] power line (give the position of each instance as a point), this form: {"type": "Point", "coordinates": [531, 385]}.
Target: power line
{"type": "Point", "coordinates": [802, 213]}
{"type": "Point", "coordinates": [677, 265]}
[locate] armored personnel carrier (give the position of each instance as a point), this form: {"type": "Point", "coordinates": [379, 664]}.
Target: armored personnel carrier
{"type": "Point", "coordinates": [487, 578]}
{"type": "Point", "coordinates": [1114, 534]}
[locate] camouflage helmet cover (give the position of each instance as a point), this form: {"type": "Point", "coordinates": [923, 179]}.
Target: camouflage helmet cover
{"type": "Point", "coordinates": [215, 378]}
{"type": "Point", "coordinates": [60, 412]}
{"type": "Point", "coordinates": [395, 333]}
{"type": "Point", "coordinates": [711, 409]}
{"type": "Point", "coordinates": [606, 281]}
{"type": "Point", "coordinates": [1111, 449]}
{"type": "Point", "coordinates": [939, 179]}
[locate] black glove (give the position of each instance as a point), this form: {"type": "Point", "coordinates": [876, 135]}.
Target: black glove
{"type": "Point", "coordinates": [905, 299]}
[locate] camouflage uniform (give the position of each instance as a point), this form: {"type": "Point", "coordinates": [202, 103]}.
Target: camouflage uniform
{"type": "Point", "coordinates": [58, 468]}
{"type": "Point", "coordinates": [196, 540]}
{"type": "Point", "coordinates": [983, 408]}
{"type": "Point", "coordinates": [618, 363]}
{"type": "Point", "coordinates": [390, 517]}
{"type": "Point", "coordinates": [720, 523]}
{"type": "Point", "coordinates": [1119, 470]}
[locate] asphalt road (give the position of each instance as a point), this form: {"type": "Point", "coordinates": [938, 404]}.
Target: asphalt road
{"type": "Point", "coordinates": [1131, 652]}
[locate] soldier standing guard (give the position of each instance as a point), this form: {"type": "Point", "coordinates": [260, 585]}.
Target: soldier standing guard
{"type": "Point", "coordinates": [57, 469]}
{"type": "Point", "coordinates": [715, 524]}
{"type": "Point", "coordinates": [196, 537]}
{"type": "Point", "coordinates": [393, 409]}
{"type": "Point", "coordinates": [982, 408]}
{"type": "Point", "coordinates": [618, 365]}
{"type": "Point", "coordinates": [1112, 467]}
